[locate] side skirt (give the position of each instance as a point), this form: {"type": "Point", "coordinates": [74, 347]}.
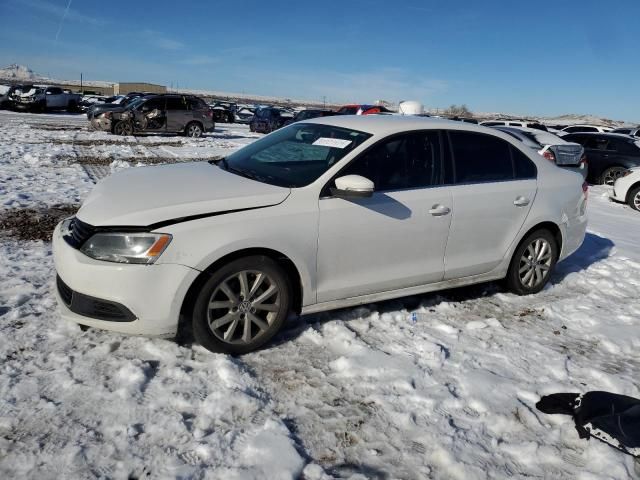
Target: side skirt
{"type": "Point", "coordinates": [403, 292]}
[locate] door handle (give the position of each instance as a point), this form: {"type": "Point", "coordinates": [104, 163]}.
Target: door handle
{"type": "Point", "coordinates": [521, 201]}
{"type": "Point", "coordinates": [438, 210]}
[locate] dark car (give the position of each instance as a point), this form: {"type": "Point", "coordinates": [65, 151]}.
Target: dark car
{"type": "Point", "coordinates": [633, 131]}
{"type": "Point", "coordinates": [309, 114]}
{"type": "Point", "coordinates": [112, 103]}
{"type": "Point", "coordinates": [169, 113]}
{"type": "Point", "coordinates": [609, 155]}
{"type": "Point", "coordinates": [268, 119]}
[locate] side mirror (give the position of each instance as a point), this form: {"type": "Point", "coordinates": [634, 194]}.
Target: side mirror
{"type": "Point", "coordinates": [352, 186]}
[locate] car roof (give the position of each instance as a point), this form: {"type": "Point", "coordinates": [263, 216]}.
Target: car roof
{"type": "Point", "coordinates": [389, 124]}
{"type": "Point", "coordinates": [619, 136]}
{"type": "Point", "coordinates": [540, 135]}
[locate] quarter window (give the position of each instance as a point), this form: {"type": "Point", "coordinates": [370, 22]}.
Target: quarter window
{"type": "Point", "coordinates": [411, 160]}
{"type": "Point", "coordinates": [523, 167]}
{"type": "Point", "coordinates": [480, 158]}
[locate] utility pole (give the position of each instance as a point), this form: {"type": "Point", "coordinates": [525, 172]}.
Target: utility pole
{"type": "Point", "coordinates": [81, 91]}
{"type": "Point", "coordinates": [324, 101]}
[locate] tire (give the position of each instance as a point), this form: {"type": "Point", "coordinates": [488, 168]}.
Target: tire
{"type": "Point", "coordinates": [527, 275]}
{"type": "Point", "coordinates": [193, 130]}
{"type": "Point", "coordinates": [123, 128]}
{"type": "Point", "coordinates": [611, 174]}
{"type": "Point", "coordinates": [633, 198]}
{"type": "Point", "coordinates": [237, 324]}
{"type": "Point", "coordinates": [230, 118]}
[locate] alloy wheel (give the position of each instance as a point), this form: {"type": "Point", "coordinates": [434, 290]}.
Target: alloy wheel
{"type": "Point", "coordinates": [535, 263]}
{"type": "Point", "coordinates": [123, 128]}
{"type": "Point", "coordinates": [612, 174]}
{"type": "Point", "coordinates": [194, 130]}
{"type": "Point", "coordinates": [243, 307]}
{"type": "Point", "coordinates": [636, 200]}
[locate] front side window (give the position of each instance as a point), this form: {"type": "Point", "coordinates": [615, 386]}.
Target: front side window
{"type": "Point", "coordinates": [294, 156]}
{"type": "Point", "coordinates": [480, 158]}
{"type": "Point", "coordinates": [596, 143]}
{"type": "Point", "coordinates": [410, 160]}
{"type": "Point", "coordinates": [152, 104]}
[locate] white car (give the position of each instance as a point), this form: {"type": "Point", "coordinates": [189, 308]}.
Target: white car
{"type": "Point", "coordinates": [627, 188]}
{"type": "Point", "coordinates": [322, 214]}
{"type": "Point", "coordinates": [584, 129]}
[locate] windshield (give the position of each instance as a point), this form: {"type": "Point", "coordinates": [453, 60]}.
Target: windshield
{"type": "Point", "coordinates": [294, 156]}
{"type": "Point", "coordinates": [134, 103]}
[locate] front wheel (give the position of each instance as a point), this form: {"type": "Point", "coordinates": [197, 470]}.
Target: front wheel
{"type": "Point", "coordinates": [242, 306]}
{"type": "Point", "coordinates": [532, 263]}
{"type": "Point", "coordinates": [123, 128]}
{"type": "Point", "coordinates": [633, 198]}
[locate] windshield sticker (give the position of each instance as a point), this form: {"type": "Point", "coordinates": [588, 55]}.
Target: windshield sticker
{"type": "Point", "coordinates": [332, 142]}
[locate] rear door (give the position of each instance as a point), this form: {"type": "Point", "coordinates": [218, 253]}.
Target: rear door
{"type": "Point", "coordinates": [54, 97]}
{"type": "Point", "coordinates": [178, 114]}
{"type": "Point", "coordinates": [494, 186]}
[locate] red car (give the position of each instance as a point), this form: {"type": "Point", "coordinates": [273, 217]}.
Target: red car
{"type": "Point", "coordinates": [362, 109]}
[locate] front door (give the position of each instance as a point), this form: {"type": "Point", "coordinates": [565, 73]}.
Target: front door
{"type": "Point", "coordinates": [397, 237]}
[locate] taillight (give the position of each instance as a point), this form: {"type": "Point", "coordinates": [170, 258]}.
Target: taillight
{"type": "Point", "coordinates": [585, 190]}
{"type": "Point", "coordinates": [548, 154]}
{"type": "Point", "coordinates": [583, 160]}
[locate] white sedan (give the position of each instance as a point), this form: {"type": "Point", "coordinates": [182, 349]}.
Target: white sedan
{"type": "Point", "coordinates": [322, 214]}
{"type": "Point", "coordinates": [627, 188]}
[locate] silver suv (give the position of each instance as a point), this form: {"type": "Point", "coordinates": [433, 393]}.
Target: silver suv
{"type": "Point", "coordinates": [158, 113]}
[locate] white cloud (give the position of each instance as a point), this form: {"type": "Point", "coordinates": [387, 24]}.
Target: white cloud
{"type": "Point", "coordinates": [161, 40]}
{"type": "Point", "coordinates": [57, 11]}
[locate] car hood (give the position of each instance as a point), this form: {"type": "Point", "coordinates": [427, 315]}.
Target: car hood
{"type": "Point", "coordinates": [146, 196]}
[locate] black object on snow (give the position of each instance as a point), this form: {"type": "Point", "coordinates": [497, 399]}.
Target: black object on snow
{"type": "Point", "coordinates": [609, 417]}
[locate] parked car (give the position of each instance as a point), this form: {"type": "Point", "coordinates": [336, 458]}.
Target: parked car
{"type": "Point", "coordinates": [244, 114]}
{"type": "Point", "coordinates": [633, 131]}
{"type": "Point", "coordinates": [170, 113]}
{"type": "Point", "coordinates": [45, 98]}
{"type": "Point", "coordinates": [564, 154]}
{"type": "Point", "coordinates": [268, 119]}
{"type": "Point", "coordinates": [88, 101]}
{"type": "Point", "coordinates": [627, 188]}
{"type": "Point", "coordinates": [585, 129]}
{"type": "Point", "coordinates": [356, 109]}
{"type": "Point", "coordinates": [224, 112]}
{"type": "Point", "coordinates": [514, 123]}
{"type": "Point", "coordinates": [322, 214]}
{"type": "Point", "coordinates": [464, 119]}
{"type": "Point", "coordinates": [308, 114]}
{"type": "Point", "coordinates": [609, 155]}
{"type": "Point", "coordinates": [116, 102]}
{"type": "Point", "coordinates": [6, 93]}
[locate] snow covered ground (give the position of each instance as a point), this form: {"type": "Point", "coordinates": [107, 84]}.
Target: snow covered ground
{"type": "Point", "coordinates": [369, 392]}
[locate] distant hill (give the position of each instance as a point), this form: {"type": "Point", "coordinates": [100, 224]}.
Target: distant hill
{"type": "Point", "coordinates": [19, 73]}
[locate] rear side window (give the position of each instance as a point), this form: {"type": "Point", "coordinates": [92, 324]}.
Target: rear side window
{"type": "Point", "coordinates": [480, 158]}
{"type": "Point", "coordinates": [176, 103]}
{"type": "Point", "coordinates": [54, 90]}
{"type": "Point", "coordinates": [596, 143]}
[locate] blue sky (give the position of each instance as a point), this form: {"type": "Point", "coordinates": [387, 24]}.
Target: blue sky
{"type": "Point", "coordinates": [540, 58]}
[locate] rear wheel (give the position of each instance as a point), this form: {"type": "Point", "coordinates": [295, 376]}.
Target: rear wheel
{"type": "Point", "coordinates": [242, 306]}
{"type": "Point", "coordinates": [194, 130]}
{"type": "Point", "coordinates": [532, 263]}
{"type": "Point", "coordinates": [123, 128]}
{"type": "Point", "coordinates": [633, 198]}
{"type": "Point", "coordinates": [611, 174]}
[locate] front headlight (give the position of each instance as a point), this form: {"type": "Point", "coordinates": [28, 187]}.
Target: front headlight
{"type": "Point", "coordinates": [138, 248]}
